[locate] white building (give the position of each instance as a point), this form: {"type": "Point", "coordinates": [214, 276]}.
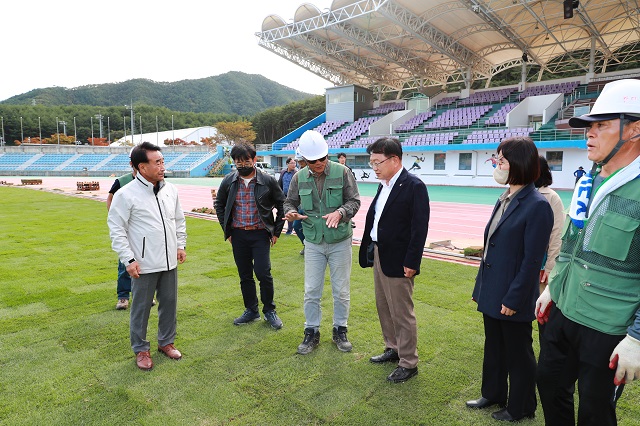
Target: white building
{"type": "Point", "coordinates": [192, 134]}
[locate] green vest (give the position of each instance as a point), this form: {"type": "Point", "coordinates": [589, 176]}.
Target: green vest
{"type": "Point", "coordinates": [596, 280]}
{"type": "Point", "coordinates": [125, 179]}
{"type": "Point", "coordinates": [315, 205]}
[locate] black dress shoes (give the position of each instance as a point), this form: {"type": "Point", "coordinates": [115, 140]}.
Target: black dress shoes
{"type": "Point", "coordinates": [402, 374]}
{"type": "Point", "coordinates": [504, 415]}
{"type": "Point", "coordinates": [483, 402]}
{"type": "Point", "coordinates": [389, 355]}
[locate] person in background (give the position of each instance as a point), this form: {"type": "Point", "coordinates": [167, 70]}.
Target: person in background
{"type": "Point", "coordinates": [555, 240]}
{"type": "Point", "coordinates": [579, 173]}
{"type": "Point", "coordinates": [123, 287]}
{"type": "Point", "coordinates": [342, 159]}
{"type": "Point", "coordinates": [592, 303]}
{"type": "Point", "coordinates": [244, 205]}
{"type": "Point", "coordinates": [506, 289]}
{"type": "Point", "coordinates": [285, 179]}
{"type": "Point", "coordinates": [394, 234]}
{"type": "Point", "coordinates": [148, 231]}
{"type": "Point", "coordinates": [328, 193]}
{"type": "Point", "coordinates": [297, 224]}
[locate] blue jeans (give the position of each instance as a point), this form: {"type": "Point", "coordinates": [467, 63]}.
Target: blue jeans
{"type": "Point", "coordinates": [124, 282]}
{"type": "Point", "coordinates": [316, 258]}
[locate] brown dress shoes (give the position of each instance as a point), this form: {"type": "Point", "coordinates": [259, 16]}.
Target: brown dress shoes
{"type": "Point", "coordinates": [170, 351]}
{"type": "Point", "coordinates": [143, 360]}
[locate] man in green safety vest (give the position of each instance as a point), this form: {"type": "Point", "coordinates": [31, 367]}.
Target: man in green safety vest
{"type": "Point", "coordinates": [328, 194]}
{"type": "Point", "coordinates": [592, 303]}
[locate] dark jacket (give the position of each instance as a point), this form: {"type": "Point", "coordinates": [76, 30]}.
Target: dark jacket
{"type": "Point", "coordinates": [402, 228]}
{"type": "Point", "coordinates": [268, 196]}
{"type": "Point", "coordinates": [510, 273]}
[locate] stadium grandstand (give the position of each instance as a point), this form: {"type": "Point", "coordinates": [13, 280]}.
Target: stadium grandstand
{"type": "Point", "coordinates": [422, 71]}
{"type": "Point", "coordinates": [188, 158]}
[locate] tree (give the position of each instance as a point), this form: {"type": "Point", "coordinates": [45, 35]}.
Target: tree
{"type": "Point", "coordinates": [234, 132]}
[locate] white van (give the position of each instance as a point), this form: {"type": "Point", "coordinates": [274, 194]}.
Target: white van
{"type": "Point", "coordinates": [265, 167]}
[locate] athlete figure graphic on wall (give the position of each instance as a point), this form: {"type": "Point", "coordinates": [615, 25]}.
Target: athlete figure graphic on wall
{"type": "Point", "coordinates": [416, 164]}
{"type": "Point", "coordinates": [493, 159]}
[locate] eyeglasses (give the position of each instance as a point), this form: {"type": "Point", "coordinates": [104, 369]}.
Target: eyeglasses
{"type": "Point", "coordinates": [375, 165]}
{"type": "Point", "coordinates": [314, 161]}
{"type": "Point", "coordinates": [247, 164]}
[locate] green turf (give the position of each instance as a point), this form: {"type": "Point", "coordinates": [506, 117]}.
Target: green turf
{"type": "Point", "coordinates": [65, 357]}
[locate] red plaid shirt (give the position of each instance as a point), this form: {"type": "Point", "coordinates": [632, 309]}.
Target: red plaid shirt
{"type": "Point", "coordinates": [245, 212]}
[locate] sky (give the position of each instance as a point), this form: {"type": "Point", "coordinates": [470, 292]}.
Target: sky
{"type": "Point", "coordinates": [71, 43]}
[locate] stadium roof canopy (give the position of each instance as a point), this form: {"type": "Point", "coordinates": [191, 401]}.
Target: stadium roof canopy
{"type": "Point", "coordinates": [395, 45]}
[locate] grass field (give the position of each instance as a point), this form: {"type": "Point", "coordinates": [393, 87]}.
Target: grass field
{"type": "Point", "coordinates": [65, 357]}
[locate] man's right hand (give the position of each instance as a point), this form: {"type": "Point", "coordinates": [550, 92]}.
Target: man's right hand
{"type": "Point", "coordinates": [133, 269]}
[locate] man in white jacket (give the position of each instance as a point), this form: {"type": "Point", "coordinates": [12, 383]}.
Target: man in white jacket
{"type": "Point", "coordinates": [148, 231]}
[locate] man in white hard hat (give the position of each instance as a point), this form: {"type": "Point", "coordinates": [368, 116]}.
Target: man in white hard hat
{"type": "Point", "coordinates": [328, 194]}
{"type": "Point", "coordinates": [592, 303]}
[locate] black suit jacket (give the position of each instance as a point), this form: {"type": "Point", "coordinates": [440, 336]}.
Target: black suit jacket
{"type": "Point", "coordinates": [403, 226]}
{"type": "Point", "coordinates": [510, 272]}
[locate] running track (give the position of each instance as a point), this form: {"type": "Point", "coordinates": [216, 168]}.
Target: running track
{"type": "Point", "coordinates": [461, 223]}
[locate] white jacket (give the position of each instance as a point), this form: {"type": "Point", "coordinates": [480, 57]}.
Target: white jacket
{"type": "Point", "coordinates": [147, 227]}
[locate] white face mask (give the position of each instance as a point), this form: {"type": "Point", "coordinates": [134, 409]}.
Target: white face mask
{"type": "Point", "coordinates": [500, 176]}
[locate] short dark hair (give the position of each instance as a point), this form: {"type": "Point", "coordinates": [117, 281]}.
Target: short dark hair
{"type": "Point", "coordinates": [289, 160]}
{"type": "Point", "coordinates": [243, 151]}
{"type": "Point", "coordinates": [342, 154]}
{"type": "Point", "coordinates": [389, 147]}
{"type": "Point", "coordinates": [522, 155]}
{"type": "Point", "coordinates": [139, 153]}
{"type": "Point", "coordinates": [545, 178]}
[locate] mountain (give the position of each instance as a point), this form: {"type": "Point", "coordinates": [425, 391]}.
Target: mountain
{"type": "Point", "coordinates": [233, 93]}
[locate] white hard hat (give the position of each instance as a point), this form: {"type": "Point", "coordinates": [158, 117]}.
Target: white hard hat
{"type": "Point", "coordinates": [298, 156]}
{"type": "Point", "coordinates": [313, 146]}
{"type": "Point", "coordinates": [618, 97]}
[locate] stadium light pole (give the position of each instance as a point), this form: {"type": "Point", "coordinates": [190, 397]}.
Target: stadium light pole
{"type": "Point", "coordinates": [99, 117]}
{"type": "Point", "coordinates": [75, 133]}
{"type": "Point", "coordinates": [108, 131]}
{"type": "Point", "coordinates": [133, 129]}
{"type": "Point", "coordinates": [2, 141]}
{"type": "Point", "coordinates": [21, 132]}
{"type": "Point", "coordinates": [157, 141]}
{"type": "Point", "coordinates": [40, 130]}
{"type": "Point", "coordinates": [91, 130]}
{"type": "Point", "coordinates": [58, 131]}
{"type": "Point", "coordinates": [173, 138]}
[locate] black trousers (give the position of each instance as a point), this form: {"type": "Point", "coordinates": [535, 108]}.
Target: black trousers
{"type": "Point", "coordinates": [509, 366]}
{"type": "Point", "coordinates": [251, 251]}
{"type": "Point", "coordinates": [573, 352]}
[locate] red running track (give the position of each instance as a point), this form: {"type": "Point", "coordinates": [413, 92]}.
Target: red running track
{"type": "Point", "coordinates": [463, 224]}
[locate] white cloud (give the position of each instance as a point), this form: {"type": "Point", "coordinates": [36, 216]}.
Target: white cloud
{"type": "Point", "coordinates": [70, 43]}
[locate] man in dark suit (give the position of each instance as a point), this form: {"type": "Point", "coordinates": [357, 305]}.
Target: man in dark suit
{"type": "Point", "coordinates": [393, 242]}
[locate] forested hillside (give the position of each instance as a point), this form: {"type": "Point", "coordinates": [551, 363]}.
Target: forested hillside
{"type": "Point", "coordinates": [230, 93]}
